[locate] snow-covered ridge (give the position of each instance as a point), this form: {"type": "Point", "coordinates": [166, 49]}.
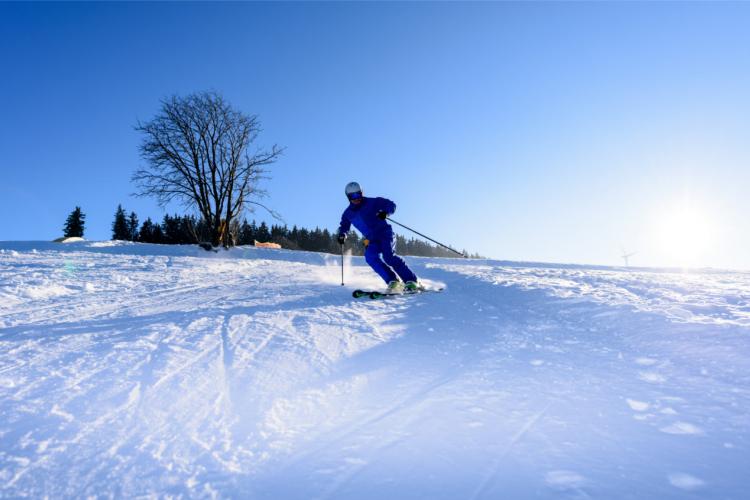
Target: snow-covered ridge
{"type": "Point", "coordinates": [139, 370]}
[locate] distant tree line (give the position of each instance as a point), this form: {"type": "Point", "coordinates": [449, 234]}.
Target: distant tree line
{"type": "Point", "coordinates": [188, 229]}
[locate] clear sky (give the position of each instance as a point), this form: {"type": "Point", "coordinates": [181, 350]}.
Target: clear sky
{"type": "Point", "coordinates": [560, 132]}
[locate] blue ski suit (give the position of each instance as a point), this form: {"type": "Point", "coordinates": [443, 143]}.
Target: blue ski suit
{"type": "Point", "coordinates": [380, 235]}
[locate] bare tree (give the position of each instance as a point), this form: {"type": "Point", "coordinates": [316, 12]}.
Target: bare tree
{"type": "Point", "coordinates": [198, 152]}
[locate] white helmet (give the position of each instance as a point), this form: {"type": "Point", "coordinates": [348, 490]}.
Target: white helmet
{"type": "Point", "coordinates": [353, 188]}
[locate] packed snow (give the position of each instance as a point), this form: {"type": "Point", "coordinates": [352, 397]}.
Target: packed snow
{"type": "Point", "coordinates": [144, 370]}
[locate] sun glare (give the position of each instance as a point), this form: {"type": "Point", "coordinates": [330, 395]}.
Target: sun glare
{"type": "Point", "coordinates": [684, 233]}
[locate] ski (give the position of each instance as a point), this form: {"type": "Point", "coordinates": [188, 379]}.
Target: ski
{"type": "Point", "coordinates": [375, 294]}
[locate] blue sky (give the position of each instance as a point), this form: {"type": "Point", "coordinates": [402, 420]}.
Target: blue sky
{"type": "Point", "coordinates": [560, 132]}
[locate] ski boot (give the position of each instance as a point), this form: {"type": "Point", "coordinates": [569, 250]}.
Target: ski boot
{"type": "Point", "coordinates": [395, 286]}
{"type": "Point", "coordinates": [413, 287]}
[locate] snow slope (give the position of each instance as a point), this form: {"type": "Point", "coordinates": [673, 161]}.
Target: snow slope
{"type": "Point", "coordinates": [142, 370]}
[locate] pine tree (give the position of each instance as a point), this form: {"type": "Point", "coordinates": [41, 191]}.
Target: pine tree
{"type": "Point", "coordinates": [186, 230]}
{"type": "Point", "coordinates": [201, 230]}
{"type": "Point", "coordinates": [74, 225]}
{"type": "Point", "coordinates": [133, 227]}
{"type": "Point", "coordinates": [276, 232]}
{"type": "Point", "coordinates": [146, 234]}
{"type": "Point", "coordinates": [120, 225]}
{"type": "Point", "coordinates": [303, 239]}
{"type": "Point", "coordinates": [325, 241]}
{"type": "Point", "coordinates": [158, 234]}
{"type": "Point", "coordinates": [246, 233]}
{"type": "Point", "coordinates": [171, 229]}
{"type": "Point", "coordinates": [263, 234]}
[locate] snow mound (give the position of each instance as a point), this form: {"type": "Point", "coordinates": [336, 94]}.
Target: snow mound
{"type": "Point", "coordinates": [69, 239]}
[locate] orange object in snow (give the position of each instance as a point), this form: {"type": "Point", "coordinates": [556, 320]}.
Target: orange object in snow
{"type": "Point", "coordinates": [266, 245]}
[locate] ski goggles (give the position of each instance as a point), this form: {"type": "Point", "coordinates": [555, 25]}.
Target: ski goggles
{"type": "Point", "coordinates": [355, 196]}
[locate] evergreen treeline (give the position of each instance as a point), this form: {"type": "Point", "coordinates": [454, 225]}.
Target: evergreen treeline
{"type": "Point", "coordinates": [175, 229]}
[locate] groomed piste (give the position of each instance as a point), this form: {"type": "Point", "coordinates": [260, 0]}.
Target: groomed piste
{"type": "Point", "coordinates": [134, 370]}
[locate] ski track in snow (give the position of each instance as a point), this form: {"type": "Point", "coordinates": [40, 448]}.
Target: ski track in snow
{"type": "Point", "coordinates": [143, 370]}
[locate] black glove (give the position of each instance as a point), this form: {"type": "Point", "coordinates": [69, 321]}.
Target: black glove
{"type": "Point", "coordinates": [382, 215]}
{"type": "Point", "coordinates": [342, 239]}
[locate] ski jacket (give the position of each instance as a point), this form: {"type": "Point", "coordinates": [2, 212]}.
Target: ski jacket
{"type": "Point", "coordinates": [365, 219]}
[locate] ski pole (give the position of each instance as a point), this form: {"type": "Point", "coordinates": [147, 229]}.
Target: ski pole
{"type": "Point", "coordinates": [342, 264]}
{"type": "Point", "coordinates": [427, 237]}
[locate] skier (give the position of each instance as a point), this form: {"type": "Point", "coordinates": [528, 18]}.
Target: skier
{"type": "Point", "coordinates": [369, 216]}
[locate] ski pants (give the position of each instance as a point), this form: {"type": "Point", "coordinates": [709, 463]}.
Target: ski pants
{"type": "Point", "coordinates": [385, 267]}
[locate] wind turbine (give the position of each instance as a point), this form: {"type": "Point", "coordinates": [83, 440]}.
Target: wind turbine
{"type": "Point", "coordinates": [626, 256]}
